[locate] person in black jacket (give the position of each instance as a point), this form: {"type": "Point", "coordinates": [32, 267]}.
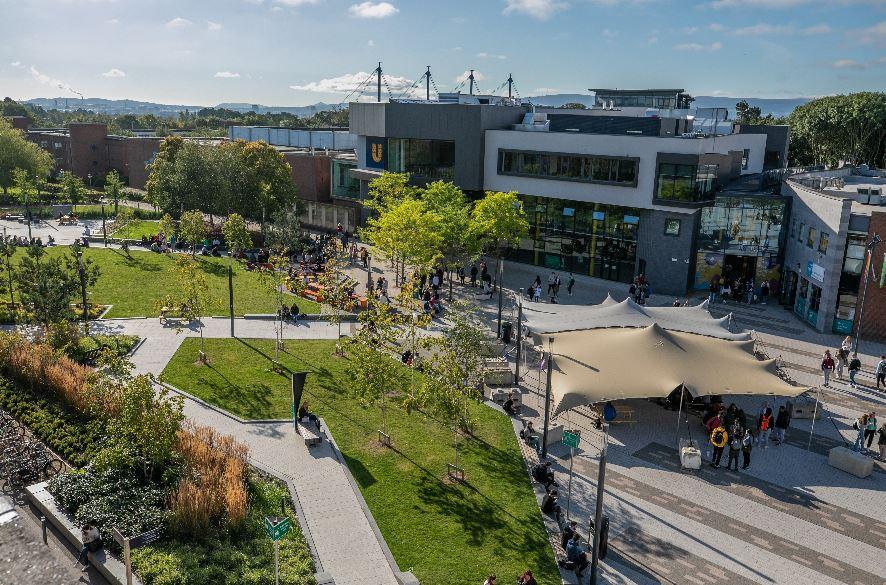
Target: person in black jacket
{"type": "Point", "coordinates": [543, 474]}
{"type": "Point", "coordinates": [782, 421]}
{"type": "Point", "coordinates": [549, 504]}
{"type": "Point", "coordinates": [568, 532]}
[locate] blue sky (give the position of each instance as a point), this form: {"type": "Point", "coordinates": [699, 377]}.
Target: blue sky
{"type": "Point", "coordinates": [294, 52]}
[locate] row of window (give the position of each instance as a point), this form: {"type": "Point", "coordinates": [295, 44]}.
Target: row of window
{"type": "Point", "coordinates": [689, 183]}
{"type": "Point", "coordinates": [568, 167]}
{"type": "Point", "coordinates": [810, 236]}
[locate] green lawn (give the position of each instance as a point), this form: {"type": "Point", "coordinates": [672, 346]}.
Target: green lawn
{"type": "Point", "coordinates": [135, 229]}
{"type": "Point", "coordinates": [447, 532]}
{"type": "Point", "coordinates": [134, 284]}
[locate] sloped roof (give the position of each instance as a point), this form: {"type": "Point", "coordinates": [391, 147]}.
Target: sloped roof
{"type": "Point", "coordinates": [552, 318]}
{"type": "Point", "coordinates": [603, 364]}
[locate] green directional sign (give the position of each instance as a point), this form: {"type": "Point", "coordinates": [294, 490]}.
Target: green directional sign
{"type": "Point", "coordinates": [277, 527]}
{"type": "Point", "coordinates": [570, 439]}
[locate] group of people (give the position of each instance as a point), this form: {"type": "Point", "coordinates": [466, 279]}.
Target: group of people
{"type": "Point", "coordinates": [24, 242]}
{"type": "Point", "coordinates": [866, 427]}
{"type": "Point", "coordinates": [730, 427]}
{"type": "Point", "coordinates": [533, 291]}
{"type": "Point", "coordinates": [640, 289]}
{"type": "Point", "coordinates": [845, 360]}
{"type": "Point", "coordinates": [739, 290]}
{"type": "Point", "coordinates": [525, 579]}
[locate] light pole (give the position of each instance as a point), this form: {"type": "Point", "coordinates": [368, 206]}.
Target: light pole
{"type": "Point", "coordinates": [79, 252]}
{"type": "Point", "coordinates": [368, 272]}
{"type": "Point", "coordinates": [104, 227]}
{"type": "Point", "coordinates": [869, 265]}
{"type": "Point", "coordinates": [519, 335]}
{"type": "Point", "coordinates": [498, 279]}
{"type": "Point", "coordinates": [550, 366]}
{"type": "Point", "coordinates": [598, 513]}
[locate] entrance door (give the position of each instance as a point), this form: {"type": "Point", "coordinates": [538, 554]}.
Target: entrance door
{"type": "Point", "coordinates": [735, 267]}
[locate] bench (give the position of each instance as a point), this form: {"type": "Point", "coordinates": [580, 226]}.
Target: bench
{"type": "Point", "coordinates": [110, 568]}
{"type": "Point", "coordinates": [850, 461]}
{"type": "Point", "coordinates": [498, 376]}
{"type": "Point", "coordinates": [308, 430]}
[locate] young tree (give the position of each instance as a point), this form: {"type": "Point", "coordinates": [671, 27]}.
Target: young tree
{"type": "Point", "coordinates": [72, 188]}
{"type": "Point", "coordinates": [284, 232]}
{"type": "Point", "coordinates": [113, 188]}
{"type": "Point", "coordinates": [17, 152]}
{"type": "Point", "coordinates": [236, 234]}
{"type": "Point", "coordinates": [7, 251]}
{"type": "Point", "coordinates": [372, 371]}
{"type": "Point", "coordinates": [166, 227]}
{"type": "Point", "coordinates": [192, 229]}
{"type": "Point", "coordinates": [458, 246]}
{"type": "Point", "coordinates": [335, 288]}
{"type": "Point", "coordinates": [266, 179]}
{"type": "Point", "coordinates": [46, 285]}
{"type": "Point", "coordinates": [192, 296]}
{"type": "Point", "coordinates": [26, 192]}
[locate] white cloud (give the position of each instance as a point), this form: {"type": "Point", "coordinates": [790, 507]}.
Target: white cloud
{"type": "Point", "coordinates": [766, 29]}
{"type": "Point", "coordinates": [464, 76]}
{"type": "Point", "coordinates": [112, 21]}
{"type": "Point", "coordinates": [349, 81]}
{"type": "Point", "coordinates": [689, 30]}
{"type": "Point", "coordinates": [114, 72]}
{"type": "Point", "coordinates": [210, 25]}
{"type": "Point", "coordinates": [179, 22]}
{"type": "Point", "coordinates": [296, 3]}
{"type": "Point", "coordinates": [780, 4]}
{"type": "Point", "coordinates": [17, 64]}
{"type": "Point", "coordinates": [492, 56]}
{"type": "Point", "coordinates": [852, 64]}
{"type": "Point", "coordinates": [609, 33]}
{"type": "Point", "coordinates": [539, 9]}
{"type": "Point", "coordinates": [370, 43]}
{"type": "Point", "coordinates": [698, 48]}
{"type": "Point", "coordinates": [818, 29]}
{"type": "Point", "coordinates": [875, 35]}
{"type": "Point", "coordinates": [47, 80]}
{"type": "Point", "coordinates": [716, 27]}
{"type": "Point", "coordinates": [226, 75]}
{"type": "Point", "coordinates": [371, 9]}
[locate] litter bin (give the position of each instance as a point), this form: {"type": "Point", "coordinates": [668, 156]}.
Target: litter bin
{"type": "Point", "coordinates": [507, 330]}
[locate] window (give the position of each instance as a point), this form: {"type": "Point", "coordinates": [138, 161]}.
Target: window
{"type": "Point", "coordinates": [686, 182]}
{"type": "Point", "coordinates": [823, 243]}
{"type": "Point", "coordinates": [802, 229]}
{"type": "Point", "coordinates": [810, 238]}
{"type": "Point", "coordinates": [745, 156]}
{"type": "Point", "coordinates": [568, 167]}
{"type": "Point", "coordinates": [814, 298]}
{"type": "Point", "coordinates": [672, 227]}
{"type": "Point", "coordinates": [855, 251]}
{"type": "Point", "coordinates": [794, 228]}
{"type": "Point", "coordinates": [433, 159]}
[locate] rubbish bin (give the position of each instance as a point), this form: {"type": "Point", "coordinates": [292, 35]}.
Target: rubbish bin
{"type": "Point", "coordinates": [507, 330]}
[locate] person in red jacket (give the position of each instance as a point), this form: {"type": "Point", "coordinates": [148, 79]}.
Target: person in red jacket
{"type": "Point", "coordinates": [827, 366]}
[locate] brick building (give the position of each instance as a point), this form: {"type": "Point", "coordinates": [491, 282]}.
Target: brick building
{"type": "Point", "coordinates": [874, 324]}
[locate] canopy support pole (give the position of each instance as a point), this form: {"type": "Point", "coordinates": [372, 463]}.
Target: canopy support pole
{"type": "Point", "coordinates": [814, 414]}
{"type": "Point", "coordinates": [679, 416]}
{"type": "Point", "coordinates": [544, 437]}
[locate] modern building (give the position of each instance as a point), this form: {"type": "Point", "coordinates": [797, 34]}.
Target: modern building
{"type": "Point", "coordinates": [609, 192]}
{"type": "Point", "coordinates": [835, 215]}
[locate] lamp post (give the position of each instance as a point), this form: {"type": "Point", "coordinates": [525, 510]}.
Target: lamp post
{"type": "Point", "coordinates": [550, 366]}
{"type": "Point", "coordinates": [498, 281]}
{"type": "Point", "coordinates": [598, 513]}
{"type": "Point", "coordinates": [872, 245]}
{"type": "Point", "coordinates": [368, 272]}
{"type": "Point", "coordinates": [104, 227]}
{"type": "Point", "coordinates": [79, 252]}
{"type": "Point", "coordinates": [519, 335]}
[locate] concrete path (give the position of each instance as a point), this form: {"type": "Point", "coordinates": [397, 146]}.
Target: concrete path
{"type": "Point", "coordinates": [341, 529]}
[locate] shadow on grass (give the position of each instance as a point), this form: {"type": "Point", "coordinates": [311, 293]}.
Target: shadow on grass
{"type": "Point", "coordinates": [137, 262]}
{"type": "Point", "coordinates": [214, 268]}
{"type": "Point", "coordinates": [362, 475]}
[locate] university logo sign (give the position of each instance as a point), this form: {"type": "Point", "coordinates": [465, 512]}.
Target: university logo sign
{"type": "Point", "coordinates": [376, 153]}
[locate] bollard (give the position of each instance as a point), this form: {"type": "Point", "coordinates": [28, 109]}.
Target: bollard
{"type": "Point", "coordinates": [43, 526]}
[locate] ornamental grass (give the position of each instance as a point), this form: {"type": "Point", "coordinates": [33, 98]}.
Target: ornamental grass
{"type": "Point", "coordinates": [213, 488]}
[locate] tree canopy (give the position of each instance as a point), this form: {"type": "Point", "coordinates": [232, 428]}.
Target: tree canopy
{"type": "Point", "coordinates": [17, 152]}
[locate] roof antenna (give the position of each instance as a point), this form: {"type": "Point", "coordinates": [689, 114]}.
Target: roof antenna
{"type": "Point", "coordinates": [510, 84]}
{"type": "Point", "coordinates": [378, 71]}
{"type": "Point", "coordinates": [428, 84]}
{"type": "Point", "coordinates": [471, 79]}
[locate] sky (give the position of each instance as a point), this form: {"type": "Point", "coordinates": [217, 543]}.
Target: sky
{"type": "Point", "coordinates": [299, 52]}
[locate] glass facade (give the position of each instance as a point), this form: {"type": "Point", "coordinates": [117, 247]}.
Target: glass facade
{"type": "Point", "coordinates": [584, 238]}
{"type": "Point", "coordinates": [343, 184]}
{"type": "Point", "coordinates": [432, 159]}
{"type": "Point", "coordinates": [637, 101]}
{"type": "Point", "coordinates": [568, 167]}
{"type": "Point", "coordinates": [741, 237]}
{"type": "Point", "coordinates": [690, 183]}
{"type": "Point", "coordinates": [850, 281]}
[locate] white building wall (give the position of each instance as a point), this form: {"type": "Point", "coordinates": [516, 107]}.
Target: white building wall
{"type": "Point", "coordinates": [646, 148]}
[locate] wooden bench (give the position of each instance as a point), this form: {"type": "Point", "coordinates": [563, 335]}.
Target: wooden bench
{"type": "Point", "coordinates": [110, 568]}
{"type": "Point", "coordinates": [308, 431]}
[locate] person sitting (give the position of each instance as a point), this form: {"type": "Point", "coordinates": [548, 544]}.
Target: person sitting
{"type": "Point", "coordinates": [305, 413]}
{"type": "Point", "coordinates": [406, 357]}
{"type": "Point", "coordinates": [570, 530]}
{"type": "Point", "coordinates": [293, 312]}
{"type": "Point", "coordinates": [576, 555]}
{"type": "Point", "coordinates": [528, 434]}
{"type": "Point", "coordinates": [509, 405]}
{"type": "Point", "coordinates": [549, 504]}
{"type": "Point", "coordinates": [542, 473]}
{"type": "Point", "coordinates": [526, 578]}
{"type": "Point", "coordinates": [50, 241]}
{"type": "Point", "coordinates": [92, 542]}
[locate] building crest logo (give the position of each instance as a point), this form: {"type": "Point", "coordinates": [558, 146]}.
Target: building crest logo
{"type": "Point", "coordinates": [377, 152]}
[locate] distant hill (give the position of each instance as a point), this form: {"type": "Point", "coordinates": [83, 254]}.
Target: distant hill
{"type": "Point", "coordinates": [139, 108]}
{"type": "Point", "coordinates": [776, 107]}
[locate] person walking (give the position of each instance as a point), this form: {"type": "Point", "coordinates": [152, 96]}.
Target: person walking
{"type": "Point", "coordinates": [714, 289]}
{"type": "Point", "coordinates": [881, 442]}
{"type": "Point", "coordinates": [536, 294]}
{"type": "Point", "coordinates": [552, 281]}
{"type": "Point", "coordinates": [764, 292]}
{"type": "Point", "coordinates": [570, 284]}
{"type": "Point", "coordinates": [764, 426]}
{"type": "Point", "coordinates": [827, 366]}
{"type": "Point", "coordinates": [842, 361]}
{"type": "Point", "coordinates": [881, 372]}
{"type": "Point", "coordinates": [870, 430]}
{"type": "Point", "coordinates": [854, 367]}
{"type": "Point", "coordinates": [782, 420]}
{"type": "Point", "coordinates": [719, 438]}
{"type": "Point", "coordinates": [473, 275]}
{"type": "Point", "coordinates": [860, 425]}
{"type": "Point", "coordinates": [747, 443]}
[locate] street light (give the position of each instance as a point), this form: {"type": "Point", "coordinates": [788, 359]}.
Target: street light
{"type": "Point", "coordinates": [872, 245]}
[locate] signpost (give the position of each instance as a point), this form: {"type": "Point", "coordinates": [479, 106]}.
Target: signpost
{"type": "Point", "coordinates": [127, 544]}
{"type": "Point", "coordinates": [277, 527]}
{"type": "Point", "coordinates": [570, 439]}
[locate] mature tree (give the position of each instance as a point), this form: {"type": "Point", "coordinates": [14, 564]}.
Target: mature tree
{"type": "Point", "coordinates": [499, 221]}
{"type": "Point", "coordinates": [458, 246]}
{"type": "Point", "coordinates": [192, 229]}
{"type": "Point", "coordinates": [388, 189]}
{"type": "Point", "coordinates": [236, 234]}
{"type": "Point", "coordinates": [284, 232]}
{"type": "Point", "coordinates": [841, 128]}
{"type": "Point", "coordinates": [162, 188]}
{"type": "Point", "coordinates": [72, 188]}
{"type": "Point", "coordinates": [24, 183]}
{"type": "Point", "coordinates": [267, 179]}
{"type": "Point", "coordinates": [406, 230]}
{"type": "Point", "coordinates": [746, 114]}
{"type": "Point", "coordinates": [17, 152]}
{"type": "Point", "coordinates": [113, 188]}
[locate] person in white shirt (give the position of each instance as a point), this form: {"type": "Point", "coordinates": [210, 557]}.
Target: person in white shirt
{"type": "Point", "coordinates": [881, 372]}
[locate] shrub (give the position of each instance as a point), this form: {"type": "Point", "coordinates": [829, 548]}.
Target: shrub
{"type": "Point", "coordinates": [213, 488]}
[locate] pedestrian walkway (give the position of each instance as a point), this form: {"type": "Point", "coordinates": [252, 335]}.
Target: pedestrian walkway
{"type": "Point", "coordinates": [340, 528]}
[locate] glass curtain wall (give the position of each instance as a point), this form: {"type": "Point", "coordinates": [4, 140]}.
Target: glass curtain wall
{"type": "Point", "coordinates": [432, 159]}
{"type": "Point", "coordinates": [584, 238]}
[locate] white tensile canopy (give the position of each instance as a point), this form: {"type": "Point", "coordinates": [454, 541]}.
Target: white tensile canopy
{"type": "Point", "coordinates": [615, 351]}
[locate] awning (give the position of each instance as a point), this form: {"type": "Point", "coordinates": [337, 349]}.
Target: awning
{"type": "Point", "coordinates": [549, 318]}
{"type": "Point", "coordinates": [599, 365]}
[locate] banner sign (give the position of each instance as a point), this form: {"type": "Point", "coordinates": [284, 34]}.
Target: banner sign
{"type": "Point", "coordinates": [376, 152]}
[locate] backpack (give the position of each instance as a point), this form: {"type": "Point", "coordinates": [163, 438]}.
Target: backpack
{"type": "Point", "coordinates": [735, 445]}
{"type": "Point", "coordinates": [765, 423]}
{"type": "Point", "coordinates": [717, 437]}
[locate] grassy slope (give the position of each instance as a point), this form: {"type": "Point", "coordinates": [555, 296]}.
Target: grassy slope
{"type": "Point", "coordinates": [136, 229]}
{"type": "Point", "coordinates": [448, 533]}
{"type": "Point", "coordinates": [134, 284]}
